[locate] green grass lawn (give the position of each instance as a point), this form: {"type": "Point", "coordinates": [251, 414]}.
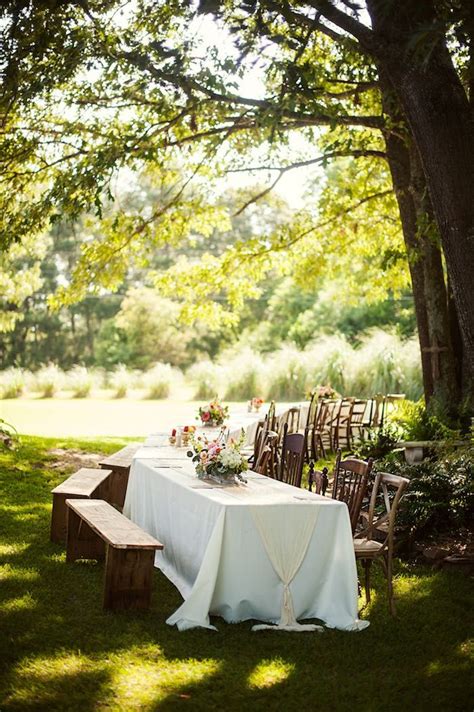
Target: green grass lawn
{"type": "Point", "coordinates": [60, 651]}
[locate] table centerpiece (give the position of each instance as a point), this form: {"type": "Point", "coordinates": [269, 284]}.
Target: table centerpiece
{"type": "Point", "coordinates": [213, 414]}
{"type": "Point", "coordinates": [219, 461]}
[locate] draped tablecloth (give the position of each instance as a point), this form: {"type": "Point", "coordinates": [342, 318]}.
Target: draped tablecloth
{"type": "Point", "coordinates": [266, 550]}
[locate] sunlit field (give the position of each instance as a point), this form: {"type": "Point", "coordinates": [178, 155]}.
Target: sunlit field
{"type": "Point", "coordinates": [66, 417]}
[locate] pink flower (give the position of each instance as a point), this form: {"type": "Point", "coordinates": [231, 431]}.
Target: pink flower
{"type": "Point", "coordinates": [205, 416]}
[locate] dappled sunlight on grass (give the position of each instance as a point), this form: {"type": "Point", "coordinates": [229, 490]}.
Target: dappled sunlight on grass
{"type": "Point", "coordinates": [52, 681]}
{"type": "Point", "coordinates": [414, 587]}
{"type": "Point", "coordinates": [13, 549]}
{"type": "Point", "coordinates": [141, 680]}
{"type": "Point", "coordinates": [60, 651]}
{"type": "Point", "coordinates": [26, 602]}
{"type": "Point", "coordinates": [7, 571]}
{"type": "Point", "coordinates": [269, 673]}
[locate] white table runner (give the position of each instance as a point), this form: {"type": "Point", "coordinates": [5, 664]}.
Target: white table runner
{"type": "Point", "coordinates": [221, 553]}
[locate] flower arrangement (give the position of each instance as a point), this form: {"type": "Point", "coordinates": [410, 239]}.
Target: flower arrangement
{"type": "Point", "coordinates": [218, 460]}
{"type": "Point", "coordinates": [257, 403]}
{"type": "Point", "coordinates": [214, 413]}
{"type": "Point", "coordinates": [325, 392]}
{"type": "Point", "coordinates": [181, 436]}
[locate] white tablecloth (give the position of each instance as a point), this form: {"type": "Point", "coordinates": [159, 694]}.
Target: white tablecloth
{"type": "Point", "coordinates": [229, 549]}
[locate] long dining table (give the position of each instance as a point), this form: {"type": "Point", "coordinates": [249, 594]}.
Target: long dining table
{"type": "Point", "coordinates": [262, 551]}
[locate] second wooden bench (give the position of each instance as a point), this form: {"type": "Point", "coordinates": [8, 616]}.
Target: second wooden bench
{"type": "Point", "coordinates": [96, 531]}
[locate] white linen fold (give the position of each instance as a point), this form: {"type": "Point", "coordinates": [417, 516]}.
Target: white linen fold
{"type": "Point", "coordinates": [286, 533]}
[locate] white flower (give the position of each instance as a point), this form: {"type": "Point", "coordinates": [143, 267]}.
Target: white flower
{"type": "Point", "coordinates": [230, 459]}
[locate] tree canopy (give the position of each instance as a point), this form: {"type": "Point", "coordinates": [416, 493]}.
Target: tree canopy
{"type": "Point", "coordinates": [97, 91]}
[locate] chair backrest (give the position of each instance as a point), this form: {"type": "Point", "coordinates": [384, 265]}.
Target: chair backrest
{"type": "Point", "coordinates": [319, 478]}
{"type": "Point", "coordinates": [386, 495]}
{"type": "Point", "coordinates": [358, 412]}
{"type": "Point", "coordinates": [350, 484]}
{"type": "Point", "coordinates": [378, 411]}
{"type": "Point", "coordinates": [271, 415]}
{"type": "Point", "coordinates": [332, 413]}
{"type": "Point", "coordinates": [312, 410]}
{"type": "Point", "coordinates": [292, 458]}
{"type": "Point", "coordinates": [265, 463]}
{"type": "Point", "coordinates": [259, 441]}
{"type": "Point", "coordinates": [290, 417]}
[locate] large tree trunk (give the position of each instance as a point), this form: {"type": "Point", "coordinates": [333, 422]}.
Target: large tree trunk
{"type": "Point", "coordinates": [424, 259]}
{"type": "Point", "coordinates": [438, 113]}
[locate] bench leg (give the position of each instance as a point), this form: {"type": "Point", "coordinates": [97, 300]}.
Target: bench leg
{"type": "Point", "coordinates": [118, 487]}
{"type": "Point", "coordinates": [128, 578]}
{"type": "Point", "coordinates": [82, 542]}
{"type": "Point", "coordinates": [59, 519]}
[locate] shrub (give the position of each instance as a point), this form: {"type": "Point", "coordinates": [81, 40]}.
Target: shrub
{"type": "Point", "coordinates": [121, 380]}
{"type": "Point", "coordinates": [440, 495]}
{"type": "Point", "coordinates": [244, 375]}
{"type": "Point", "coordinates": [158, 381]}
{"type": "Point", "coordinates": [287, 375]}
{"type": "Point", "coordinates": [381, 442]}
{"type": "Point", "coordinates": [327, 361]}
{"type": "Point", "coordinates": [48, 381]}
{"type": "Point", "coordinates": [9, 438]}
{"type": "Point", "coordinates": [80, 381]}
{"type": "Point", "coordinates": [417, 424]}
{"type": "Point", "coordinates": [207, 378]}
{"type": "Point", "coordinates": [12, 383]}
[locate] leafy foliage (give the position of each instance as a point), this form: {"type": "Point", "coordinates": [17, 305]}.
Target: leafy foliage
{"type": "Point", "coordinates": [440, 495]}
{"type": "Point", "coordinates": [416, 423]}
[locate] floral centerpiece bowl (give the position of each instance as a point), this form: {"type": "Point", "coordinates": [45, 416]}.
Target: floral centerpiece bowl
{"type": "Point", "coordinates": [213, 414]}
{"type": "Point", "coordinates": [218, 461]}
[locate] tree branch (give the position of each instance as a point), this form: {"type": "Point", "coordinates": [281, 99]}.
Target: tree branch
{"type": "Point", "coordinates": [347, 23]}
{"type": "Point", "coordinates": [312, 161]}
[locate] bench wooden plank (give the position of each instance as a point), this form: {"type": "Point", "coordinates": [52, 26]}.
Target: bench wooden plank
{"type": "Point", "coordinates": [122, 459]}
{"type": "Point", "coordinates": [115, 529]}
{"type": "Point", "coordinates": [84, 483]}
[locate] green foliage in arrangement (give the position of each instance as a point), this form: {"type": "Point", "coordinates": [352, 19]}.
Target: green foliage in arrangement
{"type": "Point", "coordinates": [63, 652]}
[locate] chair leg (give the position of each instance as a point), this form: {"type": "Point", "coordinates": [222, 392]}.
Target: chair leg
{"type": "Point", "coordinates": [367, 564]}
{"type": "Point", "coordinates": [391, 602]}
{"type": "Point", "coordinates": [321, 445]}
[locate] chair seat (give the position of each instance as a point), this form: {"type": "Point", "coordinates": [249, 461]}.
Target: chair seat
{"type": "Point", "coordinates": [366, 547]}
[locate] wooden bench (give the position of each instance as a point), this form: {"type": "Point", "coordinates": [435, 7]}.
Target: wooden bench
{"type": "Point", "coordinates": [120, 463]}
{"type": "Point", "coordinates": [83, 484]}
{"type": "Point", "coordinates": [96, 531]}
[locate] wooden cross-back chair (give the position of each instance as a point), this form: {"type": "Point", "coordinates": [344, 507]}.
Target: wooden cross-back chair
{"type": "Point", "coordinates": [267, 462]}
{"type": "Point", "coordinates": [291, 419]}
{"type": "Point", "coordinates": [356, 429]}
{"type": "Point", "coordinates": [258, 443]}
{"type": "Point", "coordinates": [387, 492]}
{"type": "Point", "coordinates": [341, 425]}
{"type": "Point", "coordinates": [328, 420]}
{"type": "Point", "coordinates": [271, 416]}
{"type": "Point", "coordinates": [350, 484]}
{"type": "Point", "coordinates": [311, 434]}
{"type": "Point", "coordinates": [290, 467]}
{"type": "Point", "coordinates": [377, 411]}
